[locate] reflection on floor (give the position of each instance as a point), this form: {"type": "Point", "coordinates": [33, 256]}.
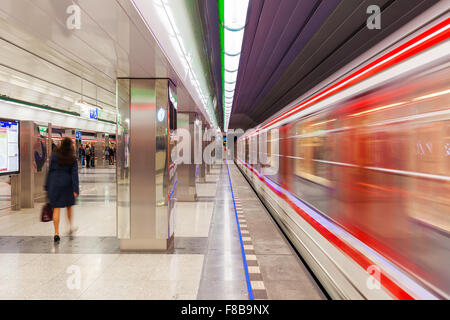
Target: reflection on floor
{"type": "Point", "coordinates": [205, 264]}
{"type": "Point", "coordinates": [94, 214]}
{"type": "Point", "coordinates": [32, 267]}
{"type": "Point", "coordinates": [193, 219]}
{"type": "Point", "coordinates": [5, 192]}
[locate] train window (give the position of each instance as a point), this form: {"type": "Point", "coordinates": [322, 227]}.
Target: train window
{"type": "Point", "coordinates": [274, 146]}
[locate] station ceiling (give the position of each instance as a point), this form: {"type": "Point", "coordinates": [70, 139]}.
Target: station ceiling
{"type": "Point", "coordinates": [290, 46]}
{"type": "Point", "coordinates": [44, 62]}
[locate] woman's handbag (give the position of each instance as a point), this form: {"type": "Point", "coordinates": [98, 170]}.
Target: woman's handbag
{"type": "Point", "coordinates": [47, 213]}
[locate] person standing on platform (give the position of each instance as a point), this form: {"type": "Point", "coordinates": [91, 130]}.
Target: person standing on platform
{"type": "Point", "coordinates": [88, 155]}
{"type": "Point", "coordinates": [107, 155]}
{"type": "Point", "coordinates": [111, 155]}
{"type": "Point", "coordinates": [62, 184]}
{"type": "Point", "coordinates": [92, 156]}
{"type": "Point", "coordinates": [81, 154]}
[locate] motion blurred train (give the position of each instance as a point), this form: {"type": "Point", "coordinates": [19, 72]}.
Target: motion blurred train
{"type": "Point", "coordinates": [357, 171]}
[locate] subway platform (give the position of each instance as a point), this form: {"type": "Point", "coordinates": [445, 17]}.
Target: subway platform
{"type": "Point", "coordinates": [226, 247]}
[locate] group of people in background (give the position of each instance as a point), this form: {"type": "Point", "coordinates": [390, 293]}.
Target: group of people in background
{"type": "Point", "coordinates": [86, 155]}
{"type": "Point", "coordinates": [62, 183]}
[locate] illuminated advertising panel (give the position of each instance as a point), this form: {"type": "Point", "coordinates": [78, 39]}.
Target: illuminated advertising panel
{"type": "Point", "coordinates": [9, 146]}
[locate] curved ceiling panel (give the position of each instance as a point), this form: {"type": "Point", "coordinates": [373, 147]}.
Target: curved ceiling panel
{"type": "Point", "coordinates": [292, 45]}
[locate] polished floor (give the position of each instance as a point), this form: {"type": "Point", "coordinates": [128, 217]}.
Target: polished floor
{"type": "Point", "coordinates": [207, 262]}
{"type": "Point", "coordinates": [5, 192]}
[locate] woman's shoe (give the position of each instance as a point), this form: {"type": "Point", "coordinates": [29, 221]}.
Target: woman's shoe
{"type": "Point", "coordinates": [72, 231]}
{"type": "Point", "coordinates": [56, 238]}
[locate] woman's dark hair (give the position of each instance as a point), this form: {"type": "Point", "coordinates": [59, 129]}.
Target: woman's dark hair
{"type": "Point", "coordinates": [66, 152]}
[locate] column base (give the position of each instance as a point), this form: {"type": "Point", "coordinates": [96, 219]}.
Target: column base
{"type": "Point", "coordinates": [187, 198]}
{"type": "Point", "coordinates": [160, 245]}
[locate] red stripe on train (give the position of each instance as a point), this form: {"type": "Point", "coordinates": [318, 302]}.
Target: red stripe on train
{"type": "Point", "coordinates": [357, 256]}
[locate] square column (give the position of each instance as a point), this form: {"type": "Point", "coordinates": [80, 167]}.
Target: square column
{"type": "Point", "coordinates": [187, 172]}
{"type": "Point", "coordinates": [100, 146]}
{"type": "Point", "coordinates": [26, 164]}
{"type": "Point", "coordinates": [201, 145]}
{"type": "Point", "coordinates": [146, 174]}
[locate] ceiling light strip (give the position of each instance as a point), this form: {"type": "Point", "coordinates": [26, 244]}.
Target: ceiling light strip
{"type": "Point", "coordinates": [209, 109]}
{"type": "Point", "coordinates": [232, 21]}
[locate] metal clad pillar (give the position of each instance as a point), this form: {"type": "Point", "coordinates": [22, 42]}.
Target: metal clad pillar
{"type": "Point", "coordinates": [143, 160]}
{"type": "Point", "coordinates": [106, 161]}
{"type": "Point", "coordinates": [49, 140]}
{"type": "Point", "coordinates": [123, 205]}
{"type": "Point", "coordinates": [100, 150]}
{"type": "Point", "coordinates": [26, 164]}
{"type": "Point", "coordinates": [15, 192]}
{"type": "Point", "coordinates": [201, 145]}
{"type": "Point", "coordinates": [69, 133]}
{"type": "Point", "coordinates": [187, 189]}
{"type": "Point", "coordinates": [206, 141]}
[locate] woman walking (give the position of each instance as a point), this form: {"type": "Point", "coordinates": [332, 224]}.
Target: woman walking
{"type": "Point", "coordinates": [62, 183]}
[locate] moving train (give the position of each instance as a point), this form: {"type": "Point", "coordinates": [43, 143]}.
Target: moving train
{"type": "Point", "coordinates": [357, 171]}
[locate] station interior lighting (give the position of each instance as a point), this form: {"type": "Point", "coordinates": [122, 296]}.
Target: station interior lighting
{"type": "Point", "coordinates": [232, 16]}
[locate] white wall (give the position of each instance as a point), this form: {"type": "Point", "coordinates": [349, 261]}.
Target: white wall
{"type": "Point", "coordinates": [22, 112]}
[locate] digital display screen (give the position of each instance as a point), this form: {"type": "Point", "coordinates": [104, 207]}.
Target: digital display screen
{"type": "Point", "coordinates": [9, 146]}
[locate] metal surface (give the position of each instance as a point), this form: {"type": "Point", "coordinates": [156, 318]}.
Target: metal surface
{"type": "Point", "coordinates": [206, 141]}
{"type": "Point", "coordinates": [143, 219]}
{"type": "Point", "coordinates": [142, 166]}
{"type": "Point", "coordinates": [49, 141]}
{"type": "Point", "coordinates": [40, 165]}
{"type": "Point", "coordinates": [172, 112]}
{"type": "Point", "coordinates": [201, 168]}
{"type": "Point", "coordinates": [176, 26]}
{"type": "Point", "coordinates": [44, 62]}
{"type": "Point", "coordinates": [123, 158]}
{"type": "Point", "coordinates": [26, 164]}
{"type": "Point", "coordinates": [100, 146]}
{"type": "Point", "coordinates": [187, 189]}
{"type": "Point", "coordinates": [161, 157]}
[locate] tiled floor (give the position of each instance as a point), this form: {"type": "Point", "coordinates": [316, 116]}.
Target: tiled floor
{"type": "Point", "coordinates": [91, 266]}
{"type": "Point", "coordinates": [207, 189]}
{"type": "Point", "coordinates": [5, 192]}
{"type": "Point", "coordinates": [279, 270]}
{"type": "Point", "coordinates": [205, 264]}
{"type": "Point", "coordinates": [193, 219]}
{"type": "Point", "coordinates": [223, 275]}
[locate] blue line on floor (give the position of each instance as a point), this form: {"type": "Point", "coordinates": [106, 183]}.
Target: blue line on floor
{"type": "Point", "coordinates": [247, 277]}
{"type": "Point", "coordinates": [173, 190]}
